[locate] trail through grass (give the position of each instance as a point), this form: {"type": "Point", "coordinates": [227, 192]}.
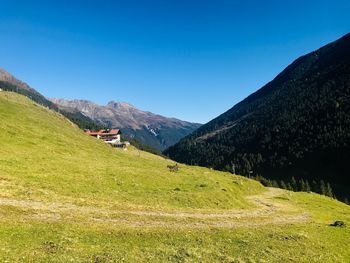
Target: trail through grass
{"type": "Point", "coordinates": [268, 211]}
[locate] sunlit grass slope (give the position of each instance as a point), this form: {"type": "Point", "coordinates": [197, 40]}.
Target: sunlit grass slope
{"type": "Point", "coordinates": [67, 197]}
{"type": "Point", "coordinates": [45, 157]}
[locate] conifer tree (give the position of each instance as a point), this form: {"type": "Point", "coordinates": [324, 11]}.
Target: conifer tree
{"type": "Point", "coordinates": [315, 187]}
{"type": "Point", "coordinates": [283, 185]}
{"type": "Point", "coordinates": [346, 201]}
{"type": "Point", "coordinates": [323, 188]}
{"type": "Point", "coordinates": [302, 186]}
{"type": "Point", "coordinates": [275, 184]}
{"type": "Point", "coordinates": [294, 184]}
{"type": "Point", "coordinates": [329, 191]}
{"type": "Point", "coordinates": [307, 186]}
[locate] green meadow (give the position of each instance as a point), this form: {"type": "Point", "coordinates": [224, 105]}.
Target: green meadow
{"type": "Point", "coordinates": [67, 197]}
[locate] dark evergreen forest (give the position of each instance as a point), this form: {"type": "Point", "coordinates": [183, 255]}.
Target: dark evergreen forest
{"type": "Point", "coordinates": [293, 133]}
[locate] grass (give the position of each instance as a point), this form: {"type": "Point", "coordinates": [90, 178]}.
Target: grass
{"type": "Point", "coordinates": [67, 197]}
{"type": "Point", "coordinates": [60, 242]}
{"type": "Point", "coordinates": [43, 156]}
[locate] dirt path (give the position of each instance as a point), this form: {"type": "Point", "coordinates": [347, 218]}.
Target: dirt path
{"type": "Point", "coordinates": [268, 211]}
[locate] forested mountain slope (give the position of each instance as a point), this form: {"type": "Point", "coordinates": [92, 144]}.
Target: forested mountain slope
{"type": "Point", "coordinates": [297, 125]}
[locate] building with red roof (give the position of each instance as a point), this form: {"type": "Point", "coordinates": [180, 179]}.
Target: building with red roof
{"type": "Point", "coordinates": [112, 136]}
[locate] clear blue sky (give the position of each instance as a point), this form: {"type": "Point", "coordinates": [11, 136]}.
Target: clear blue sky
{"type": "Point", "coordinates": [180, 58]}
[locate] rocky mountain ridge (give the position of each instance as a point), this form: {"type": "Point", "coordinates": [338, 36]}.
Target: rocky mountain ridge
{"type": "Point", "coordinates": [152, 129]}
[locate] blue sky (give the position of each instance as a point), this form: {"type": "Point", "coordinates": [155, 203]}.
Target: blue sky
{"type": "Point", "coordinates": [187, 59]}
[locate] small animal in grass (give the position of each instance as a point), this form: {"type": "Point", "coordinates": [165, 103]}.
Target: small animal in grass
{"type": "Point", "coordinates": [173, 168]}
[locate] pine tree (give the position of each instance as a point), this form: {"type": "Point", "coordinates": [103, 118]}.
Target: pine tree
{"type": "Point", "coordinates": [323, 188]}
{"type": "Point", "coordinates": [307, 186]}
{"type": "Point", "coordinates": [329, 191]}
{"type": "Point", "coordinates": [275, 184]}
{"type": "Point", "coordinates": [294, 184]}
{"type": "Point", "coordinates": [315, 187]}
{"type": "Point", "coordinates": [302, 186]}
{"type": "Point", "coordinates": [346, 201]}
{"type": "Point", "coordinates": [283, 185]}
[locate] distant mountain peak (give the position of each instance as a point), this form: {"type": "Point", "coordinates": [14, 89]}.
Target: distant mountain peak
{"type": "Point", "coordinates": [120, 105]}
{"type": "Point", "coordinates": [151, 129]}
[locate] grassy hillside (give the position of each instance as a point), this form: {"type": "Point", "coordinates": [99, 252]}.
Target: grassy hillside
{"type": "Point", "coordinates": [46, 157]}
{"type": "Point", "coordinates": [65, 196]}
{"type": "Point", "coordinates": [78, 118]}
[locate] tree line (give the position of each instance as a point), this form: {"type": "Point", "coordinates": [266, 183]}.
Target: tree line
{"type": "Point", "coordinates": [300, 185]}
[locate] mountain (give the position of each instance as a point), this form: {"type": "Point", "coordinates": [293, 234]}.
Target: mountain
{"type": "Point", "coordinates": [297, 125]}
{"type": "Point", "coordinates": [148, 131]}
{"type": "Point", "coordinates": [67, 197]}
{"type": "Point", "coordinates": [7, 77]}
{"type": "Point", "coordinates": [10, 83]}
{"type": "Point", "coordinates": [154, 130]}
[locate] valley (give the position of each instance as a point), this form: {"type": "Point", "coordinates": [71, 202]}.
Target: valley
{"type": "Point", "coordinates": [66, 196]}
{"type": "Point", "coordinates": [174, 131]}
{"type": "Point", "coordinates": [294, 128]}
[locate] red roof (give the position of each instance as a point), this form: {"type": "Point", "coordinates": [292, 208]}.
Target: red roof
{"type": "Point", "coordinates": [105, 132]}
